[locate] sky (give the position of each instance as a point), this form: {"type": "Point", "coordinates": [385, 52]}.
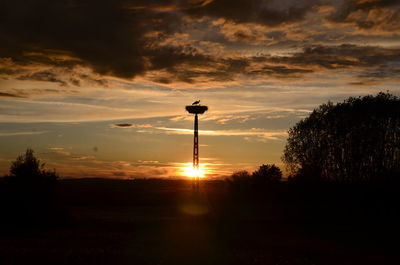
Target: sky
{"type": "Point", "coordinates": [99, 88]}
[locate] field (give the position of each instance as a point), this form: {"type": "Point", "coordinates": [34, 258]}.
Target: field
{"type": "Point", "coordinates": [165, 222]}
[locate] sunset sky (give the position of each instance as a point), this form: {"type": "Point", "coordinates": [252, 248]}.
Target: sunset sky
{"type": "Point", "coordinates": [98, 88]}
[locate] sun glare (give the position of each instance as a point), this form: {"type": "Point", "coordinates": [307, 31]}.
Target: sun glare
{"type": "Point", "coordinates": [189, 171]}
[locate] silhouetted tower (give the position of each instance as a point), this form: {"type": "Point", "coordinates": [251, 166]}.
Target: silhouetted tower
{"type": "Point", "coordinates": [196, 109]}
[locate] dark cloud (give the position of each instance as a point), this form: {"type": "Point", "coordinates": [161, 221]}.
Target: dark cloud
{"type": "Point", "coordinates": [110, 36]}
{"type": "Point", "coordinates": [103, 34]}
{"type": "Point", "coordinates": [63, 76]}
{"type": "Point", "coordinates": [43, 76]}
{"type": "Point", "coordinates": [342, 56]}
{"type": "Point", "coordinates": [5, 72]}
{"type": "Point", "coordinates": [9, 95]}
{"type": "Point", "coordinates": [375, 60]}
{"type": "Point", "coordinates": [359, 12]}
{"type": "Point", "coordinates": [48, 40]}
{"type": "Point", "coordinates": [123, 125]}
{"type": "Point", "coordinates": [166, 57]}
{"type": "Point", "coordinates": [381, 72]}
{"type": "Point", "coordinates": [266, 12]}
{"type": "Point", "coordinates": [278, 70]}
{"type": "Point", "coordinates": [130, 125]}
{"type": "Point", "coordinates": [214, 69]}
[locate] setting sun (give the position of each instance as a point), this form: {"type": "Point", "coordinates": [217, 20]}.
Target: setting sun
{"type": "Point", "coordinates": [189, 171]}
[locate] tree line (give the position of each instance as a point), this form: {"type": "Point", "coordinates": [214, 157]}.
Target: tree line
{"type": "Point", "coordinates": [357, 140]}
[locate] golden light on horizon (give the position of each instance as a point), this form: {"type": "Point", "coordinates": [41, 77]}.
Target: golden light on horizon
{"type": "Point", "coordinates": [189, 171]}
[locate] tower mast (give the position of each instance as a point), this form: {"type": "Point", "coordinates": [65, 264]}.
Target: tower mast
{"type": "Point", "coordinates": [196, 143]}
{"type": "Point", "coordinates": [196, 109]}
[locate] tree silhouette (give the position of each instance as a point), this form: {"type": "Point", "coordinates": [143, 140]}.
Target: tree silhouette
{"type": "Point", "coordinates": [27, 194]}
{"type": "Point", "coordinates": [267, 173]}
{"type": "Point", "coordinates": [356, 140]}
{"type": "Point", "coordinates": [259, 179]}
{"type": "Point", "coordinates": [242, 175]}
{"type": "Point", "coordinates": [27, 167]}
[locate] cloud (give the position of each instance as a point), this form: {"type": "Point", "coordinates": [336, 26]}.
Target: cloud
{"type": "Point", "coordinates": [381, 17]}
{"type": "Point", "coordinates": [22, 133]}
{"type": "Point", "coordinates": [119, 174]}
{"type": "Point", "coordinates": [381, 73]}
{"type": "Point", "coordinates": [9, 95]}
{"type": "Point", "coordinates": [130, 125]}
{"type": "Point", "coordinates": [43, 76]}
{"type": "Point", "coordinates": [116, 169]}
{"type": "Point", "coordinates": [270, 13]}
{"type": "Point", "coordinates": [224, 119]}
{"type": "Point", "coordinates": [57, 110]}
{"type": "Point", "coordinates": [24, 93]}
{"type": "Point", "coordinates": [345, 55]}
{"type": "Point", "coordinates": [75, 43]}
{"type": "Point", "coordinates": [122, 125]}
{"type": "Point", "coordinates": [151, 162]}
{"type": "Point", "coordinates": [61, 153]}
{"type": "Point", "coordinates": [275, 135]}
{"type": "Point", "coordinates": [245, 117]}
{"type": "Point", "coordinates": [250, 33]}
{"type": "Point", "coordinates": [105, 36]}
{"type": "Point", "coordinates": [56, 148]}
{"type": "Point", "coordinates": [81, 157]}
{"type": "Point", "coordinates": [310, 59]}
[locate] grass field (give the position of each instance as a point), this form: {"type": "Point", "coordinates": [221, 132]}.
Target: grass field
{"type": "Point", "coordinates": [164, 222]}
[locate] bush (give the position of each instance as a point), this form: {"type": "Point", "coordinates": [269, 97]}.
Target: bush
{"type": "Point", "coordinates": [28, 168]}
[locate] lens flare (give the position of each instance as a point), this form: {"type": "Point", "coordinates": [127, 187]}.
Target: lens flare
{"type": "Point", "coordinates": [191, 172]}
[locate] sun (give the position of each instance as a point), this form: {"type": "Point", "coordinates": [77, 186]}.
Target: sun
{"type": "Point", "coordinates": [189, 171]}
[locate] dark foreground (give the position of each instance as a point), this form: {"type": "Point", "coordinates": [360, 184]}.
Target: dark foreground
{"type": "Point", "coordinates": [164, 222]}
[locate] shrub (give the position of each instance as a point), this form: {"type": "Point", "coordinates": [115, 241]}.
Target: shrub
{"type": "Point", "coordinates": [28, 168]}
